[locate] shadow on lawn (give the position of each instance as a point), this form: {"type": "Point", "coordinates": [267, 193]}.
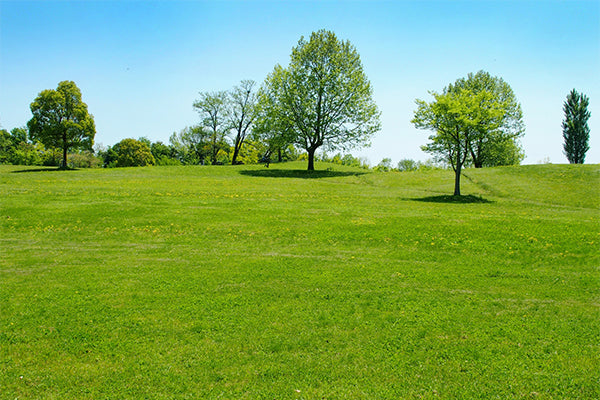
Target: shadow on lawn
{"type": "Point", "coordinates": [468, 199]}
{"type": "Point", "coordinates": [297, 173]}
{"type": "Point", "coordinates": [48, 169]}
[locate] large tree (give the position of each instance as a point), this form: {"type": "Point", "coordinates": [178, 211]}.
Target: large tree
{"type": "Point", "coordinates": [497, 144]}
{"type": "Point", "coordinates": [212, 108]}
{"type": "Point", "coordinates": [241, 114]}
{"type": "Point", "coordinates": [576, 132]}
{"type": "Point", "coordinates": [323, 98]}
{"type": "Point", "coordinates": [61, 120]}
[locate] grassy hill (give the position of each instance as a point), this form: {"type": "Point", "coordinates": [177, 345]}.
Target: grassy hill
{"type": "Point", "coordinates": [252, 283]}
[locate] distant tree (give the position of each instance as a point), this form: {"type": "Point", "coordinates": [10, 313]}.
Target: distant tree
{"type": "Point", "coordinates": [384, 166]}
{"type": "Point", "coordinates": [323, 98]}
{"type": "Point", "coordinates": [164, 154]}
{"type": "Point", "coordinates": [61, 119]}
{"type": "Point", "coordinates": [212, 108]}
{"type": "Point", "coordinates": [192, 145]}
{"type": "Point", "coordinates": [6, 146]}
{"type": "Point", "coordinates": [501, 150]}
{"type": "Point", "coordinates": [133, 153]}
{"type": "Point", "coordinates": [494, 142]}
{"type": "Point", "coordinates": [576, 132]}
{"type": "Point", "coordinates": [269, 129]}
{"type": "Point", "coordinates": [242, 112]}
{"type": "Point", "coordinates": [407, 165]}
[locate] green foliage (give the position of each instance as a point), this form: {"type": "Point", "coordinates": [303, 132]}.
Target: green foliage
{"type": "Point", "coordinates": [253, 283]}
{"type": "Point", "coordinates": [494, 142]}
{"type": "Point", "coordinates": [212, 108]}
{"type": "Point", "coordinates": [407, 165]}
{"type": "Point", "coordinates": [84, 159]}
{"type": "Point", "coordinates": [346, 159]}
{"type": "Point", "coordinates": [242, 113]}
{"type": "Point", "coordinates": [191, 145]}
{"type": "Point", "coordinates": [164, 154]}
{"type": "Point", "coordinates": [132, 153]}
{"type": "Point", "coordinates": [465, 120]}
{"type": "Point", "coordinates": [384, 166]}
{"type": "Point", "coordinates": [501, 151]}
{"type": "Point", "coordinates": [61, 120]}
{"type": "Point", "coordinates": [576, 132]}
{"type": "Point", "coordinates": [323, 98]}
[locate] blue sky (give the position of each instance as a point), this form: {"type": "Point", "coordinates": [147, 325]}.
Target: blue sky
{"type": "Point", "coordinates": [141, 64]}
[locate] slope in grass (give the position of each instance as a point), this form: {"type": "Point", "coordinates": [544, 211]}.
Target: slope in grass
{"type": "Point", "coordinates": [243, 282]}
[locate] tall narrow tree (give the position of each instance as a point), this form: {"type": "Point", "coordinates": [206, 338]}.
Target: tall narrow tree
{"type": "Point", "coordinates": [61, 120]}
{"type": "Point", "coordinates": [576, 132]}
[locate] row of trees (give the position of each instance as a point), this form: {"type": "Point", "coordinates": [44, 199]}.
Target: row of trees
{"type": "Point", "coordinates": [190, 146]}
{"type": "Point", "coordinates": [321, 101]}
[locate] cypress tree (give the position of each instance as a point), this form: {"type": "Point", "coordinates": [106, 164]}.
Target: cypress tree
{"type": "Point", "coordinates": [576, 132]}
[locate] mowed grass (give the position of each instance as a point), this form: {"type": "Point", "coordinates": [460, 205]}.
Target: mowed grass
{"type": "Point", "coordinates": [252, 283]}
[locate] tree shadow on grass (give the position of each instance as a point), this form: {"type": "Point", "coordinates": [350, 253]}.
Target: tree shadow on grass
{"type": "Point", "coordinates": [47, 169]}
{"type": "Point", "coordinates": [297, 173]}
{"type": "Point", "coordinates": [468, 199]}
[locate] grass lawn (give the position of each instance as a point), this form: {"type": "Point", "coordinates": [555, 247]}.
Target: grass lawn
{"type": "Point", "coordinates": [252, 283]}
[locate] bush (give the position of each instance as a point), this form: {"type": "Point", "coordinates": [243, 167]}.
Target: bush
{"type": "Point", "coordinates": [83, 160]}
{"type": "Point", "coordinates": [132, 153]}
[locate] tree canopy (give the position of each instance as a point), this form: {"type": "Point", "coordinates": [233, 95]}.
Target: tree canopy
{"type": "Point", "coordinates": [61, 119]}
{"type": "Point", "coordinates": [323, 98]}
{"type": "Point", "coordinates": [212, 108]}
{"type": "Point", "coordinates": [494, 142]}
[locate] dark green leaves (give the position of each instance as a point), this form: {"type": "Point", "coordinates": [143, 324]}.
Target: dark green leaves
{"type": "Point", "coordinates": [576, 132]}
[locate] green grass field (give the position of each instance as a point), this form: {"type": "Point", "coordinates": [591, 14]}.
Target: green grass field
{"type": "Point", "coordinates": [252, 283]}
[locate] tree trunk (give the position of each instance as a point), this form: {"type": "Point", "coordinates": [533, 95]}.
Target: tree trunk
{"type": "Point", "coordinates": [311, 159]}
{"type": "Point", "coordinates": [457, 170]}
{"type": "Point", "coordinates": [279, 156]}
{"type": "Point", "coordinates": [63, 164]}
{"type": "Point", "coordinates": [236, 151]}
{"type": "Point", "coordinates": [457, 179]}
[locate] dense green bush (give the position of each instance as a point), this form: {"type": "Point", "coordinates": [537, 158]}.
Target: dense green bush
{"type": "Point", "coordinates": [132, 153]}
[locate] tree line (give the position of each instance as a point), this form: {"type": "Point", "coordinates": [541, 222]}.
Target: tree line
{"type": "Point", "coordinates": [322, 100]}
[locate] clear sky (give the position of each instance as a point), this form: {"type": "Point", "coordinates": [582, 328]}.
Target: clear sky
{"type": "Point", "coordinates": [141, 64]}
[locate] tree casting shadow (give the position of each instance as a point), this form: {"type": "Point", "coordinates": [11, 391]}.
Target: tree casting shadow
{"type": "Point", "coordinates": [297, 173]}
{"type": "Point", "coordinates": [468, 199]}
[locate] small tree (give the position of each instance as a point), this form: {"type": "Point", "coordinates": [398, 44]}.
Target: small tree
{"type": "Point", "coordinates": [61, 120]}
{"type": "Point", "coordinates": [576, 132]}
